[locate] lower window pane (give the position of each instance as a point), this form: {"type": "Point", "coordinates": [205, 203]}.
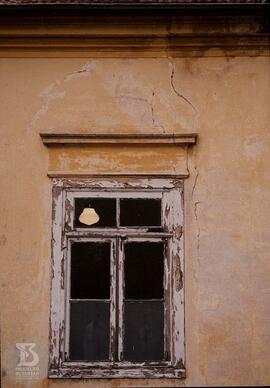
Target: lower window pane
{"type": "Point", "coordinates": [89, 331]}
{"type": "Point", "coordinates": [144, 331]}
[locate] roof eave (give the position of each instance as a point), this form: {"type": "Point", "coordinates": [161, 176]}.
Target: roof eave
{"type": "Point", "coordinates": [240, 8]}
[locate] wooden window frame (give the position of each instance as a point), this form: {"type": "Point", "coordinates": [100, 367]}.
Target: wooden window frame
{"type": "Point", "coordinates": [64, 192]}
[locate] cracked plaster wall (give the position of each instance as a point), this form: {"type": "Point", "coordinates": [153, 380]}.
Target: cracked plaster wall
{"type": "Point", "coordinates": [227, 271]}
{"type": "Point", "coordinates": [116, 95]}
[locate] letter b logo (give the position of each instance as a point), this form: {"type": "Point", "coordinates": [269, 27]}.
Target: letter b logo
{"type": "Point", "coordinates": [28, 357]}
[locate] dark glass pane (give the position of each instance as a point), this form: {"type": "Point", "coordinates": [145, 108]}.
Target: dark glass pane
{"type": "Point", "coordinates": [89, 331]}
{"type": "Point", "coordinates": [104, 207]}
{"type": "Point", "coordinates": [90, 270]}
{"type": "Point", "coordinates": [144, 328]}
{"type": "Point", "coordinates": [140, 212]}
{"type": "Point", "coordinates": [144, 269]}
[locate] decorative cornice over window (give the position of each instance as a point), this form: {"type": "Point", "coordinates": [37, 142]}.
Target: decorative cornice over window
{"type": "Point", "coordinates": [87, 138]}
{"type": "Point", "coordinates": [118, 154]}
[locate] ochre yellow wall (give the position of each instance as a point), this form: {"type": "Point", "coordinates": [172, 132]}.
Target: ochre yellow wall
{"type": "Point", "coordinates": [227, 207]}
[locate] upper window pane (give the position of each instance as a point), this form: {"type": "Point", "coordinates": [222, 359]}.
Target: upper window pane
{"type": "Point", "coordinates": [103, 209]}
{"type": "Point", "coordinates": [144, 270]}
{"type": "Point", "coordinates": [140, 212]}
{"type": "Point", "coordinates": [90, 270]}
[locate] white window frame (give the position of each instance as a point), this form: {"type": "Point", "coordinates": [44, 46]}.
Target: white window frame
{"type": "Point", "coordinates": [64, 192]}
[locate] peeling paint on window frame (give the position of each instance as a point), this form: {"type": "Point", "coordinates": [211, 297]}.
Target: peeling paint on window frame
{"type": "Point", "coordinates": [64, 192]}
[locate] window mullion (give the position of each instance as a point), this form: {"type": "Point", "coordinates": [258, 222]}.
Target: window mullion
{"type": "Point", "coordinates": [114, 303]}
{"type": "Point", "coordinates": [167, 300]}
{"type": "Point", "coordinates": [117, 212]}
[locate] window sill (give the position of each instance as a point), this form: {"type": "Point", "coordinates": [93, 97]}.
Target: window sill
{"type": "Point", "coordinates": [79, 372]}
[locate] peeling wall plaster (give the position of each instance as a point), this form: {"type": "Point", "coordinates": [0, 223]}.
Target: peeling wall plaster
{"type": "Point", "coordinates": [225, 100]}
{"type": "Point", "coordinates": [108, 95]}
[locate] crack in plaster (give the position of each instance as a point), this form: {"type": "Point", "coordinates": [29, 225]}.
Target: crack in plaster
{"type": "Point", "coordinates": [152, 109]}
{"type": "Point", "coordinates": [154, 121]}
{"type": "Point", "coordinates": [177, 93]}
{"type": "Point", "coordinates": [149, 103]}
{"type": "Point", "coordinates": [133, 98]}
{"type": "Point", "coordinates": [195, 181]}
{"type": "Point", "coordinates": [83, 72]}
{"type": "Point", "coordinates": [194, 201]}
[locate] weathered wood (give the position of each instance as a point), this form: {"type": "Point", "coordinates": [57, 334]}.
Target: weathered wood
{"type": "Point", "coordinates": [64, 233]}
{"type": "Point", "coordinates": [113, 305]}
{"type": "Point", "coordinates": [174, 222]}
{"type": "Point", "coordinates": [124, 234]}
{"type": "Point", "coordinates": [97, 373]}
{"type": "Point", "coordinates": [57, 296]}
{"type": "Point", "coordinates": [123, 183]}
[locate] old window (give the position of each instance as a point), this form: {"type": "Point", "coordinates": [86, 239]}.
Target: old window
{"type": "Point", "coordinates": [117, 286]}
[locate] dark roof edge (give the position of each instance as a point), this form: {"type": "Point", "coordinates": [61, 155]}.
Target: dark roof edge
{"type": "Point", "coordinates": [240, 8]}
